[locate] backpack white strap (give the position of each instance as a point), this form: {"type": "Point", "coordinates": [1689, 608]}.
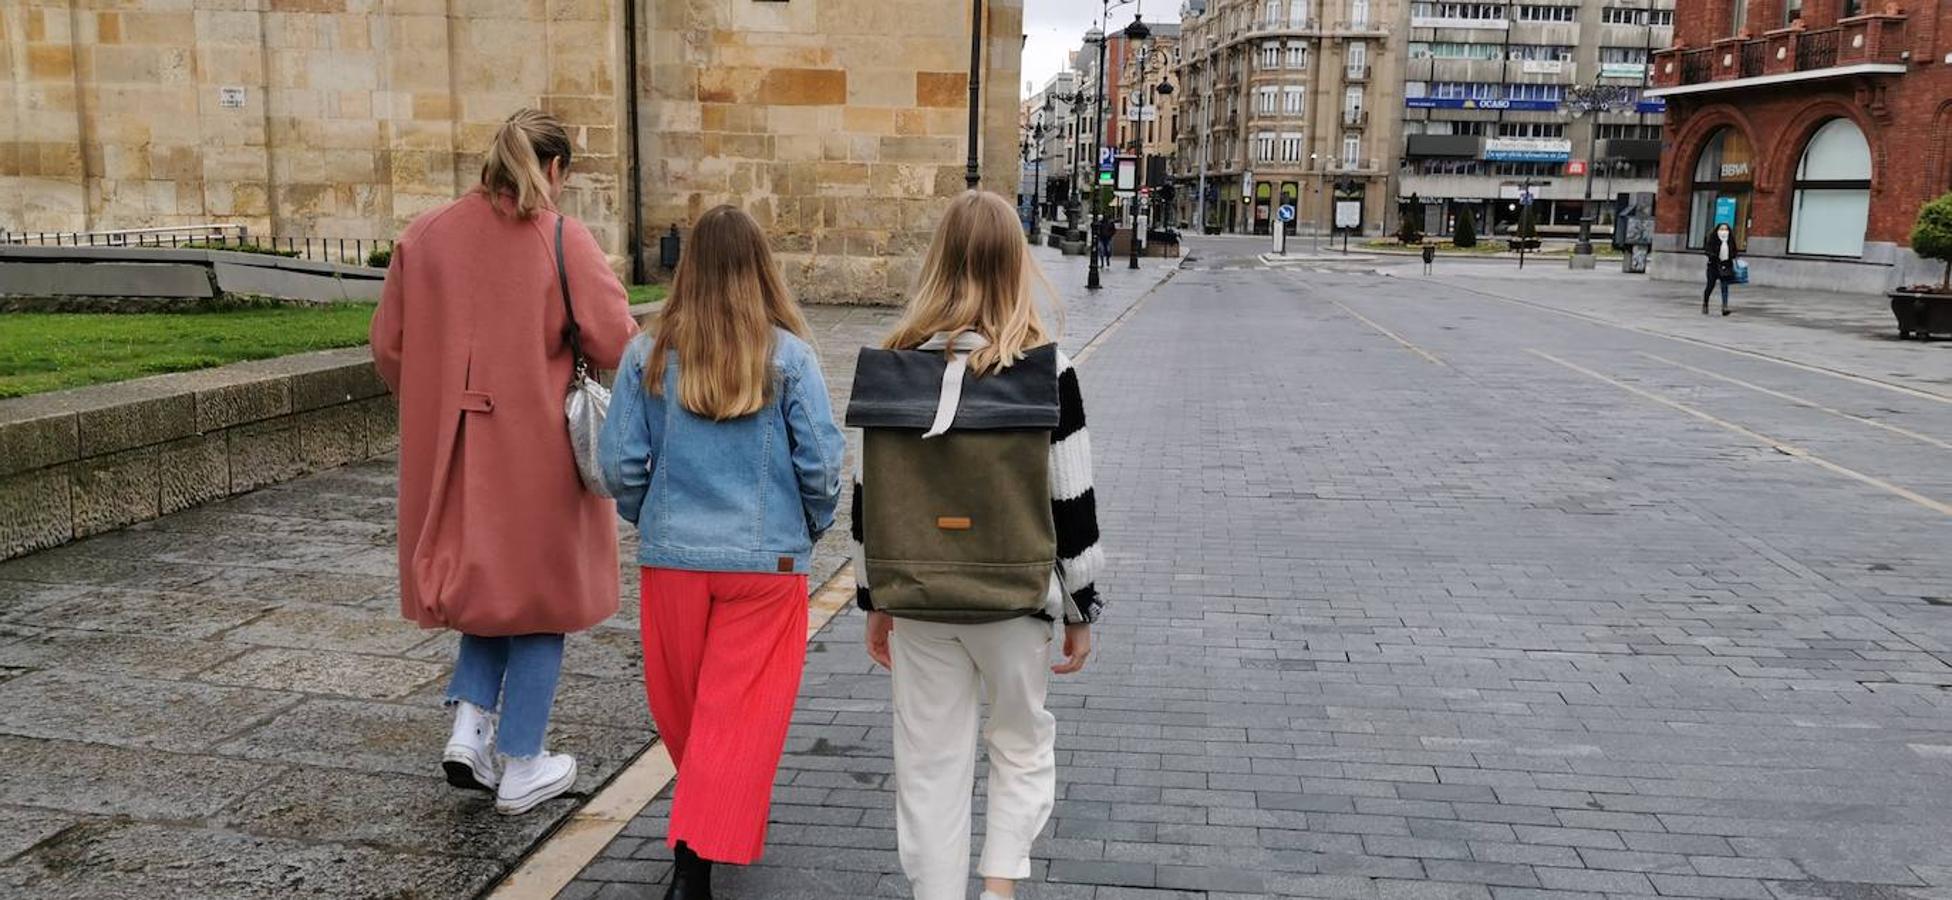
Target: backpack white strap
{"type": "Point", "coordinates": [950, 398]}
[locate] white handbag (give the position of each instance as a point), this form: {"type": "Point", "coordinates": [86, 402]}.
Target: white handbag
{"type": "Point", "coordinates": [588, 401]}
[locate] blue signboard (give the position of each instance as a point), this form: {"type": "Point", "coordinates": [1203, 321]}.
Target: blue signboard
{"type": "Point", "coordinates": [1725, 211]}
{"type": "Point", "coordinates": [1528, 155]}
{"type": "Point", "coordinates": [1466, 103]}
{"type": "Point", "coordinates": [1286, 213]}
{"type": "Point", "coordinates": [1655, 106]}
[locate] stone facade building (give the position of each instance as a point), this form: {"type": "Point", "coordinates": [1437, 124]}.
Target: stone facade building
{"type": "Point", "coordinates": [1289, 102]}
{"type": "Point", "coordinates": [1487, 121]}
{"type": "Point", "coordinates": [1816, 128]}
{"type": "Point", "coordinates": [839, 124]}
{"type": "Point", "coordinates": [1144, 122]}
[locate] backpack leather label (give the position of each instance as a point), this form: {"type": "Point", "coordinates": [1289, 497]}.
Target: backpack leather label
{"type": "Point", "coordinates": [786, 564]}
{"type": "Point", "coordinates": [953, 523]}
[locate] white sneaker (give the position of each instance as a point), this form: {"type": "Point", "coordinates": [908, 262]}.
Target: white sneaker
{"type": "Point", "coordinates": [526, 783]}
{"type": "Point", "coordinates": [470, 756]}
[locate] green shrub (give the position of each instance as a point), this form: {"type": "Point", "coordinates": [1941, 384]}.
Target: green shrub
{"type": "Point", "coordinates": [1931, 237]}
{"type": "Point", "coordinates": [380, 258]}
{"type": "Point", "coordinates": [1466, 232]}
{"type": "Point", "coordinates": [1407, 231]}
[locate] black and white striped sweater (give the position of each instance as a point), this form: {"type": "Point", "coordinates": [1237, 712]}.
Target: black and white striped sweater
{"type": "Point", "coordinates": [1074, 508]}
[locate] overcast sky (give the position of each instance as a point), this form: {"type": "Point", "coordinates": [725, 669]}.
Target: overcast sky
{"type": "Point", "coordinates": [1053, 27]}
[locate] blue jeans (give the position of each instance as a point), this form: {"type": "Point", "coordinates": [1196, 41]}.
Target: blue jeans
{"type": "Point", "coordinates": [521, 672]}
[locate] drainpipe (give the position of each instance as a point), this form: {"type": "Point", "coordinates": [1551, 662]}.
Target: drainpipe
{"type": "Point", "coordinates": [634, 187]}
{"type": "Point", "coordinates": [972, 174]}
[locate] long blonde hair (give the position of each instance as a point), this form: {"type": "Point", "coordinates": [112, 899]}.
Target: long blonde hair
{"type": "Point", "coordinates": [977, 279]}
{"type": "Point", "coordinates": [515, 170]}
{"type": "Point", "coordinates": [725, 301]}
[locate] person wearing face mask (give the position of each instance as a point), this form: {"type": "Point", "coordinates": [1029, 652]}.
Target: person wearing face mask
{"type": "Point", "coordinates": [1722, 252]}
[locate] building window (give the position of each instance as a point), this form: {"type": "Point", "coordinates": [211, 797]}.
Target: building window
{"type": "Point", "coordinates": [1487, 12]}
{"type": "Point", "coordinates": [1792, 10]}
{"type": "Point", "coordinates": [1357, 58]}
{"type": "Point", "coordinates": [1359, 13]}
{"type": "Point", "coordinates": [1549, 92]}
{"type": "Point", "coordinates": [1352, 151]}
{"type": "Point", "coordinates": [1851, 8]}
{"type": "Point", "coordinates": [1271, 14]}
{"type": "Point", "coordinates": [1621, 15]}
{"type": "Point", "coordinates": [1463, 90]}
{"type": "Point", "coordinates": [1264, 100]}
{"type": "Point", "coordinates": [1293, 101]}
{"type": "Point", "coordinates": [1739, 17]}
{"type": "Point", "coordinates": [1832, 202]}
{"type": "Point", "coordinates": [1533, 12]}
{"type": "Point", "coordinates": [1352, 101]}
{"type": "Point", "coordinates": [1613, 131]}
{"type": "Point", "coordinates": [1545, 52]}
{"type": "Point", "coordinates": [1271, 55]}
{"type": "Point", "coordinates": [1297, 56]}
{"type": "Point", "coordinates": [1264, 146]}
{"type": "Point", "coordinates": [1664, 18]}
{"type": "Point", "coordinates": [1291, 146]}
{"type": "Point", "coordinates": [1298, 14]}
{"type": "Point", "coordinates": [1724, 176]}
{"type": "Point", "coordinates": [1630, 55]}
{"type": "Point", "coordinates": [1532, 129]}
{"type": "Point", "coordinates": [1454, 50]}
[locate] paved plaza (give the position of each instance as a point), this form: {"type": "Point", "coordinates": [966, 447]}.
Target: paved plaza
{"type": "Point", "coordinates": [1478, 586]}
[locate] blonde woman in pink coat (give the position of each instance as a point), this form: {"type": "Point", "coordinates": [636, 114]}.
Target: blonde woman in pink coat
{"type": "Point", "coordinates": [498, 538]}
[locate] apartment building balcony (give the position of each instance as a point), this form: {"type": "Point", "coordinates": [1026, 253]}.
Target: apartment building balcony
{"type": "Point", "coordinates": [1355, 118]}
{"type": "Point", "coordinates": [1356, 74]}
{"type": "Point", "coordinates": [1373, 29]}
{"type": "Point", "coordinates": [1857, 46]}
{"type": "Point", "coordinates": [1280, 28]}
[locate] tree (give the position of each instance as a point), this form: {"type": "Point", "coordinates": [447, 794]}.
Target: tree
{"type": "Point", "coordinates": [1528, 227]}
{"type": "Point", "coordinates": [1931, 237]}
{"type": "Point", "coordinates": [1466, 232]}
{"type": "Point", "coordinates": [1407, 215]}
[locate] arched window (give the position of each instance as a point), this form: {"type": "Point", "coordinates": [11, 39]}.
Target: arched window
{"type": "Point", "coordinates": [1833, 192]}
{"type": "Point", "coordinates": [1724, 175]}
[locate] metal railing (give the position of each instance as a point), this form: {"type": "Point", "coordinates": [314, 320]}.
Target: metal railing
{"type": "Point", "coordinates": [1356, 73]}
{"type": "Point", "coordinates": [346, 251]}
{"type": "Point", "coordinates": [1697, 66]}
{"type": "Point", "coordinates": [1355, 118]}
{"type": "Point", "coordinates": [1817, 49]}
{"type": "Point", "coordinates": [1752, 54]}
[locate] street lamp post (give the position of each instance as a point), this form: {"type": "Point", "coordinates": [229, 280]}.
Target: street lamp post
{"type": "Point", "coordinates": [1139, 33]}
{"type": "Point", "coordinates": [973, 173]}
{"type": "Point", "coordinates": [1091, 280]}
{"type": "Point", "coordinates": [1590, 100]}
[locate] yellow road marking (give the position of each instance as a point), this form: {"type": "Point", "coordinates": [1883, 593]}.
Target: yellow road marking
{"type": "Point", "coordinates": [1779, 446]}
{"type": "Point", "coordinates": [1799, 401]}
{"type": "Point", "coordinates": [1390, 334]}
{"type": "Point", "coordinates": [1596, 320]}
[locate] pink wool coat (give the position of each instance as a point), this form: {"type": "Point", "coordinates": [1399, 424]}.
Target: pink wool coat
{"type": "Point", "coordinates": [497, 535]}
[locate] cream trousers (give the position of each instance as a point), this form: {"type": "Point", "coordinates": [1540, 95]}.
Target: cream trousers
{"type": "Point", "coordinates": [941, 672]}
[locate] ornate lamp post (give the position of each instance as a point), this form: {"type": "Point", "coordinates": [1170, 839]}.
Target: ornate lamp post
{"type": "Point", "coordinates": [1138, 33]}
{"type": "Point", "coordinates": [1097, 36]}
{"type": "Point", "coordinates": [1590, 100]}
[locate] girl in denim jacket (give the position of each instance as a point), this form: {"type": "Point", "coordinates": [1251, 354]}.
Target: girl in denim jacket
{"type": "Point", "coordinates": [721, 447]}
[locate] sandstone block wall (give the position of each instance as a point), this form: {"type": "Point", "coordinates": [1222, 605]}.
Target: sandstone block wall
{"type": "Point", "coordinates": [355, 115]}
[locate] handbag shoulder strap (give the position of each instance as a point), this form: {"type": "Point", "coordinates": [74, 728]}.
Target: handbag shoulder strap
{"type": "Point", "coordinates": [572, 332]}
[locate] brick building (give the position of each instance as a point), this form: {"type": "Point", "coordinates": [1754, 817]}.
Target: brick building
{"type": "Point", "coordinates": [1816, 127]}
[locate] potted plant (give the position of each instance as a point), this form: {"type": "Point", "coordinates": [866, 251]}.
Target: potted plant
{"type": "Point", "coordinates": [1926, 309]}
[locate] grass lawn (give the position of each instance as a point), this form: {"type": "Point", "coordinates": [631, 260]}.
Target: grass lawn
{"type": "Point", "coordinates": [50, 351]}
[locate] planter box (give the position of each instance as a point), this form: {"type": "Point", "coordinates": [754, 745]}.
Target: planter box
{"type": "Point", "coordinates": [1921, 315]}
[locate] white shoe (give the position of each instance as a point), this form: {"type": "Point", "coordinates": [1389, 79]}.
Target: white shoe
{"type": "Point", "coordinates": [470, 756]}
{"type": "Point", "coordinates": [526, 783]}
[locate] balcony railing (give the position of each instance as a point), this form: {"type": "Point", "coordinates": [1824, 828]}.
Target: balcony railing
{"type": "Point", "coordinates": [1816, 49]}
{"type": "Point", "coordinates": [1698, 66]}
{"type": "Point", "coordinates": [1357, 73]}
{"type": "Point", "coordinates": [1752, 59]}
{"type": "Point", "coordinates": [1355, 118]}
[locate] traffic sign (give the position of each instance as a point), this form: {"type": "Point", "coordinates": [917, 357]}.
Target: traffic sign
{"type": "Point", "coordinates": [1105, 157]}
{"type": "Point", "coordinates": [1525, 197]}
{"type": "Point", "coordinates": [1286, 213]}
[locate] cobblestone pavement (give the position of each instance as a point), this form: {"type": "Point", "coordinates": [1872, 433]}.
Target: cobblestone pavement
{"type": "Point", "coordinates": [1418, 593]}
{"type": "Point", "coordinates": [226, 703]}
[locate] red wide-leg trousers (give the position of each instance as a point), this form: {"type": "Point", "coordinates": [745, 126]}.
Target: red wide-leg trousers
{"type": "Point", "coordinates": [722, 659]}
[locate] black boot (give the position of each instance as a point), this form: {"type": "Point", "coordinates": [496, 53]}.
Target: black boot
{"type": "Point", "coordinates": [691, 876]}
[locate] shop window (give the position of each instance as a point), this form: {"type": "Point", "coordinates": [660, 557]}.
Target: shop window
{"type": "Point", "coordinates": [1724, 176]}
{"type": "Point", "coordinates": [1832, 204]}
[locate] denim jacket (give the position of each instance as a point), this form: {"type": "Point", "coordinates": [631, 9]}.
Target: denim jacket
{"type": "Point", "coordinates": [747, 495]}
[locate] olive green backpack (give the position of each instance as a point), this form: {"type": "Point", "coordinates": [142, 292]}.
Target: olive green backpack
{"type": "Point", "coordinates": [956, 527]}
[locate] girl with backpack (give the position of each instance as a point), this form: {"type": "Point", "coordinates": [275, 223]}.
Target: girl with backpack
{"type": "Point", "coordinates": [976, 530]}
{"type": "Point", "coordinates": [721, 447]}
{"type": "Point", "coordinates": [1722, 255]}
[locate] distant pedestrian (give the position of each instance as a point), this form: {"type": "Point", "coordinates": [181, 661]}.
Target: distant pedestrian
{"type": "Point", "coordinates": [976, 527]}
{"type": "Point", "coordinates": [1429, 257]}
{"type": "Point", "coordinates": [721, 446]}
{"type": "Point", "coordinates": [1722, 253]}
{"type": "Point", "coordinates": [499, 540]}
{"type": "Point", "coordinates": [1107, 229]}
